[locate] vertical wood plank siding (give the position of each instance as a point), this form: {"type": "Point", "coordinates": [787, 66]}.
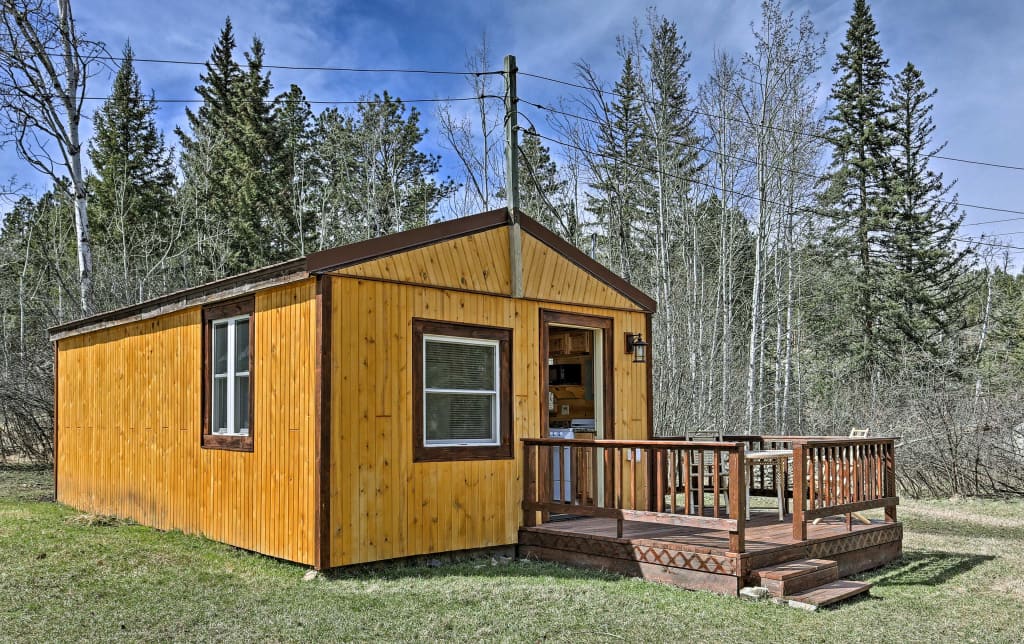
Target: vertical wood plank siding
{"type": "Point", "coordinates": [383, 505]}
{"type": "Point", "coordinates": [129, 414]}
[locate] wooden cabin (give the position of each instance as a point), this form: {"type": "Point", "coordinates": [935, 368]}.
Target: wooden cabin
{"type": "Point", "coordinates": [362, 403]}
{"type": "Point", "coordinates": [426, 393]}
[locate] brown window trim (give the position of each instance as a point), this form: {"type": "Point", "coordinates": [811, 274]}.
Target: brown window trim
{"type": "Point", "coordinates": [219, 311]}
{"type": "Point", "coordinates": [423, 453]}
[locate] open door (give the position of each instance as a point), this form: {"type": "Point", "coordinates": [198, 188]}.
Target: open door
{"type": "Point", "coordinates": [576, 401]}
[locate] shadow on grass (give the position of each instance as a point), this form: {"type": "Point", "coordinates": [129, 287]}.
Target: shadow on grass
{"type": "Point", "coordinates": [486, 567]}
{"type": "Point", "coordinates": [928, 568]}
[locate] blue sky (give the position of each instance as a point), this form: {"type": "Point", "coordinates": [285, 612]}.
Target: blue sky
{"type": "Point", "coordinates": [971, 51]}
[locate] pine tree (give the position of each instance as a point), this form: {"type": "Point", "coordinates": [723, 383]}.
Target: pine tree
{"type": "Point", "coordinates": [622, 184]}
{"type": "Point", "coordinates": [861, 139]}
{"type": "Point", "coordinates": [294, 226]}
{"type": "Point", "coordinates": [234, 163]}
{"type": "Point", "coordinates": [132, 189]}
{"type": "Point", "coordinates": [929, 271]}
{"type": "Point", "coordinates": [541, 189]}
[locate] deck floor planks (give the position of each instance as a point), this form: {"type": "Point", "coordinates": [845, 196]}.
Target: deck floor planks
{"type": "Point", "coordinates": [763, 533]}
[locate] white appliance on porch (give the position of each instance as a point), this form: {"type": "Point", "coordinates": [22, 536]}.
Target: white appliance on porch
{"type": "Point", "coordinates": [562, 480]}
{"type": "Point", "coordinates": [561, 459]}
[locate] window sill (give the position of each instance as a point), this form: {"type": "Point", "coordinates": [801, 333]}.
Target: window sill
{"type": "Point", "coordinates": [462, 453]}
{"type": "Point", "coordinates": [229, 443]}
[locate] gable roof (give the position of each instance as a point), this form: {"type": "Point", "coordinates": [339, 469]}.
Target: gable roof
{"type": "Point", "coordinates": [325, 261]}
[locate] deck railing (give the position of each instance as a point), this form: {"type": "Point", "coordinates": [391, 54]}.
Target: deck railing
{"type": "Point", "coordinates": [663, 482]}
{"type": "Point", "coordinates": [669, 481]}
{"type": "Point", "coordinates": [841, 476]}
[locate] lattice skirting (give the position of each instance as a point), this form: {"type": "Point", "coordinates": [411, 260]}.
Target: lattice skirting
{"type": "Point", "coordinates": [701, 562]}
{"type": "Point", "coordinates": [856, 541]}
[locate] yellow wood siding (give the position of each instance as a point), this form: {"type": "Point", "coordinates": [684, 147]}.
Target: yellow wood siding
{"type": "Point", "coordinates": [382, 504]}
{"type": "Point", "coordinates": [129, 413]}
{"type": "Point", "coordinates": [480, 263]}
{"type": "Point", "coordinates": [475, 262]}
{"type": "Point", "coordinates": [549, 276]}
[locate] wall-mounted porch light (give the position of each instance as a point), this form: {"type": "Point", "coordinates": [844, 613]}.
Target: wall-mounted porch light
{"type": "Point", "coordinates": [635, 344]}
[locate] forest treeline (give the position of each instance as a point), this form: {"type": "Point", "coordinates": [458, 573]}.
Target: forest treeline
{"type": "Point", "coordinates": [808, 263]}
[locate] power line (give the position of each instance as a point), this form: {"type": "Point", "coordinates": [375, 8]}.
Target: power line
{"type": "Point", "coordinates": [370, 70]}
{"type": "Point", "coordinates": [737, 192]}
{"type": "Point", "coordinates": [777, 128]}
{"type": "Point", "coordinates": [795, 171]}
{"type": "Point", "coordinates": [450, 99]}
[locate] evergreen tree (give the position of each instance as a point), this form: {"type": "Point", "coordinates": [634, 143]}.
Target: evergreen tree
{"type": "Point", "coordinates": [622, 184]}
{"type": "Point", "coordinates": [929, 271]}
{"type": "Point", "coordinates": [131, 191]}
{"type": "Point", "coordinates": [395, 180]}
{"type": "Point", "coordinates": [234, 163]}
{"type": "Point", "coordinates": [542, 191]}
{"type": "Point", "coordinates": [294, 226]}
{"type": "Point", "coordinates": [861, 139]}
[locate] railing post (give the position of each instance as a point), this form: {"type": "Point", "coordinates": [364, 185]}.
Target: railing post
{"type": "Point", "coordinates": [530, 483]}
{"type": "Point", "coordinates": [737, 497]}
{"type": "Point", "coordinates": [799, 492]}
{"type": "Point", "coordinates": [890, 480]}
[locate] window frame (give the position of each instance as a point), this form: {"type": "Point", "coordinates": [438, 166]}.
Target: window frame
{"type": "Point", "coordinates": [231, 311]}
{"type": "Point", "coordinates": [498, 337]}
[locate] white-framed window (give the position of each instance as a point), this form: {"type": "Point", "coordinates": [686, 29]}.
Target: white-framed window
{"type": "Point", "coordinates": [230, 384]}
{"type": "Point", "coordinates": [461, 397]}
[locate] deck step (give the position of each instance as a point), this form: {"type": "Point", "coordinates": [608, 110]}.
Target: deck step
{"type": "Point", "coordinates": [796, 576]}
{"type": "Point", "coordinates": [829, 593]}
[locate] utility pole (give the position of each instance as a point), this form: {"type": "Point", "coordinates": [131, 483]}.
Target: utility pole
{"type": "Point", "coordinates": [515, 234]}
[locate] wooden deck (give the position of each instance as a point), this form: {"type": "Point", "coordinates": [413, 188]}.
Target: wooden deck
{"type": "Point", "coordinates": [699, 558]}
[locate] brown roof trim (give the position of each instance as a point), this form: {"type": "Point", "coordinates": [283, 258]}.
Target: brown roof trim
{"type": "Point", "coordinates": [220, 289]}
{"type": "Point", "coordinates": [585, 262]}
{"type": "Point", "coordinates": [333, 258]}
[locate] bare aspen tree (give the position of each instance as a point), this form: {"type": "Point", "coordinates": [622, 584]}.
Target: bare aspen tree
{"type": "Point", "coordinates": [45, 64]}
{"type": "Point", "coordinates": [476, 139]}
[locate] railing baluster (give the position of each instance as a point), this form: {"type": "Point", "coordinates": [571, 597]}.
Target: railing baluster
{"type": "Point", "coordinates": [687, 480]}
{"type": "Point", "coordinates": [716, 471]}
{"type": "Point", "coordinates": [633, 455]}
{"type": "Point", "coordinates": [673, 460]}
{"type": "Point", "coordinates": [700, 485]}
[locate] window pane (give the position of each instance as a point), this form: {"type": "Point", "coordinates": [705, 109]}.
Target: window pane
{"type": "Point", "coordinates": [459, 366]}
{"type": "Point", "coordinates": [220, 348]}
{"type": "Point", "coordinates": [460, 417]}
{"type": "Point", "coordinates": [242, 405]}
{"type": "Point", "coordinates": [220, 404]}
{"type": "Point", "coordinates": [242, 345]}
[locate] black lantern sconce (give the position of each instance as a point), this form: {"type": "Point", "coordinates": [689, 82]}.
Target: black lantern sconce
{"type": "Point", "coordinates": [635, 344]}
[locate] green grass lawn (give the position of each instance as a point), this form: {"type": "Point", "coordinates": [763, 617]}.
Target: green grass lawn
{"type": "Point", "coordinates": [63, 577]}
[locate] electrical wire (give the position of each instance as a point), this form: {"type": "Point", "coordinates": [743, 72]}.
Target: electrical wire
{"type": "Point", "coordinates": [777, 128]}
{"type": "Point", "coordinates": [735, 192]}
{"type": "Point", "coordinates": [794, 171]}
{"type": "Point", "coordinates": [370, 70]}
{"type": "Point", "coordinates": [449, 99]}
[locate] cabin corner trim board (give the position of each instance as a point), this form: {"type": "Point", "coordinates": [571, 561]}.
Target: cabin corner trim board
{"type": "Point", "coordinates": [322, 424]}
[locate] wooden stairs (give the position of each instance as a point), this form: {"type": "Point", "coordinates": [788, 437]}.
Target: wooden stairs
{"type": "Point", "coordinates": [808, 583]}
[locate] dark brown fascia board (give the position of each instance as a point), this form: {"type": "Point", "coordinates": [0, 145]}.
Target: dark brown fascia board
{"type": "Point", "coordinates": [585, 262]}
{"type": "Point", "coordinates": [326, 260]}
{"type": "Point", "coordinates": [225, 288]}
{"type": "Point", "coordinates": [335, 258]}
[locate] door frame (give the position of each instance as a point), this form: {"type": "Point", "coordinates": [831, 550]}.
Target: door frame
{"type": "Point", "coordinates": [549, 317]}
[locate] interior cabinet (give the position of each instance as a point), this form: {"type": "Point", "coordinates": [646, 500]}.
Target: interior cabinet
{"type": "Point", "coordinates": [571, 342]}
